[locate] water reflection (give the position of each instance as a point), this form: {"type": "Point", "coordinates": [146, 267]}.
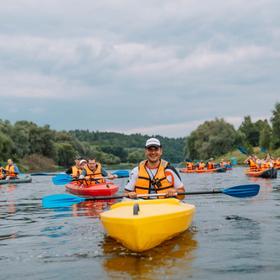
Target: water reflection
{"type": "Point", "coordinates": [172, 259]}
{"type": "Point", "coordinates": [90, 208]}
{"type": "Point", "coordinates": [8, 188]}
{"type": "Point", "coordinates": [9, 205]}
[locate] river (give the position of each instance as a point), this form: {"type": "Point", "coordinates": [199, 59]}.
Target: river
{"type": "Point", "coordinates": [230, 238]}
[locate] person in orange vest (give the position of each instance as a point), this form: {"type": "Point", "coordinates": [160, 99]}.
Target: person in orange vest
{"type": "Point", "coordinates": [12, 170]}
{"type": "Point", "coordinates": [154, 174]}
{"type": "Point", "coordinates": [277, 163]}
{"type": "Point", "coordinates": [190, 165]}
{"type": "Point", "coordinates": [210, 164]}
{"type": "Point", "coordinates": [201, 165]}
{"type": "Point", "coordinates": [252, 162]}
{"type": "Point", "coordinates": [76, 170]}
{"type": "Point", "coordinates": [2, 172]}
{"type": "Point", "coordinates": [93, 171]}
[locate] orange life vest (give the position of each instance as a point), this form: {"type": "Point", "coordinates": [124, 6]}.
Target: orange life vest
{"type": "Point", "coordinates": [159, 183]}
{"type": "Point", "coordinates": [2, 174]}
{"type": "Point", "coordinates": [76, 172]}
{"type": "Point", "coordinates": [10, 169]}
{"type": "Point", "coordinates": [189, 165]}
{"type": "Point", "coordinates": [252, 164]}
{"type": "Point", "coordinates": [265, 165]}
{"type": "Point", "coordinates": [90, 174]}
{"type": "Point", "coordinates": [201, 165]}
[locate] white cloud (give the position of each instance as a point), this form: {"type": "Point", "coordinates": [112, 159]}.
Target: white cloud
{"type": "Point", "coordinates": [164, 66]}
{"type": "Point", "coordinates": [170, 130]}
{"type": "Point", "coordinates": [36, 86]}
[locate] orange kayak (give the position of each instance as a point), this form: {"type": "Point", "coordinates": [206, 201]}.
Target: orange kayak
{"type": "Point", "coordinates": [265, 173]}
{"type": "Point", "coordinates": [220, 169]}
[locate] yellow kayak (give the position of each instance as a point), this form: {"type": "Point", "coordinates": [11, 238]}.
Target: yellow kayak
{"type": "Point", "coordinates": [143, 224]}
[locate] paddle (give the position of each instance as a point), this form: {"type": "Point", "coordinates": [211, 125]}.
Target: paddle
{"type": "Point", "coordinates": [63, 179]}
{"type": "Point", "coordinates": [243, 150]}
{"type": "Point", "coordinates": [64, 200]}
{"type": "Point", "coordinates": [264, 150]}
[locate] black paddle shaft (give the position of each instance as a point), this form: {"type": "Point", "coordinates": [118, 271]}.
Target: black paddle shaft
{"type": "Point", "coordinates": [151, 195]}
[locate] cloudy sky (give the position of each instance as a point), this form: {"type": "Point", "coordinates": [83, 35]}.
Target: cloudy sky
{"type": "Point", "coordinates": [154, 67]}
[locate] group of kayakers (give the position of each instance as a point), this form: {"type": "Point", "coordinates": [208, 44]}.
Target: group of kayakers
{"type": "Point", "coordinates": [11, 171]}
{"type": "Point", "coordinates": [207, 165]}
{"type": "Point", "coordinates": [256, 164]}
{"type": "Point", "coordinates": [89, 170]}
{"type": "Point", "coordinates": [152, 175]}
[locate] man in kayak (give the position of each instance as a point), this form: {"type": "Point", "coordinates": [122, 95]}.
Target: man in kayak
{"type": "Point", "coordinates": [93, 171]}
{"type": "Point", "coordinates": [154, 175]}
{"type": "Point", "coordinates": [12, 170]}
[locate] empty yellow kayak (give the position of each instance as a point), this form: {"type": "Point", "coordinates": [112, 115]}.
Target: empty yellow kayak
{"type": "Point", "coordinates": [143, 224]}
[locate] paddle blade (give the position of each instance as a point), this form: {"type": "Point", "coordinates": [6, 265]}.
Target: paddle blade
{"type": "Point", "coordinates": [60, 200]}
{"type": "Point", "coordinates": [242, 150]}
{"type": "Point", "coordinates": [121, 173]}
{"type": "Point", "coordinates": [62, 179]}
{"type": "Point", "coordinates": [243, 190]}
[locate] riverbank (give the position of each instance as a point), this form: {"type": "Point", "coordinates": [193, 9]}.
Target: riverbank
{"type": "Point", "coordinates": [39, 163]}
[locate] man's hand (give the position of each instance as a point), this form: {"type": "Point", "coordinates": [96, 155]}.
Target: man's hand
{"type": "Point", "coordinates": [131, 194]}
{"type": "Point", "coordinates": [112, 176]}
{"type": "Point", "coordinates": [171, 193]}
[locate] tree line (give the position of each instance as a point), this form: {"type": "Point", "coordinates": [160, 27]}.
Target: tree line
{"type": "Point", "coordinates": [25, 142]}
{"type": "Point", "coordinates": [217, 137]}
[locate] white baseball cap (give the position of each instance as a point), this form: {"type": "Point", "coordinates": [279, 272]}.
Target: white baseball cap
{"type": "Point", "coordinates": [83, 161]}
{"type": "Point", "coordinates": [152, 142]}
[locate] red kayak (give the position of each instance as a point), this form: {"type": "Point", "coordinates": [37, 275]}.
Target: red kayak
{"type": "Point", "coordinates": [104, 189]}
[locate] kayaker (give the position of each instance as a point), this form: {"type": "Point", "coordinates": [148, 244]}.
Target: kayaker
{"type": "Point", "coordinates": [76, 170]}
{"type": "Point", "coordinates": [93, 171]}
{"type": "Point", "coordinates": [210, 164]}
{"type": "Point", "coordinates": [2, 172]}
{"type": "Point", "coordinates": [12, 170]}
{"type": "Point", "coordinates": [252, 162]}
{"type": "Point", "coordinates": [277, 163]}
{"type": "Point", "coordinates": [154, 175]}
{"type": "Point", "coordinates": [83, 163]}
{"type": "Point", "coordinates": [190, 165]}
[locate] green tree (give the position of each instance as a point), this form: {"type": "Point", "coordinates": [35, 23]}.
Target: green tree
{"type": "Point", "coordinates": [211, 139]}
{"type": "Point", "coordinates": [117, 151]}
{"type": "Point", "coordinates": [135, 156]}
{"type": "Point", "coordinates": [250, 130]}
{"type": "Point", "coordinates": [65, 154]}
{"type": "Point", "coordinates": [275, 120]}
{"type": "Point", "coordinates": [265, 134]}
{"type": "Point", "coordinates": [6, 147]}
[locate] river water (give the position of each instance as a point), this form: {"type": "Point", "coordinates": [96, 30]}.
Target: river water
{"type": "Point", "coordinates": [230, 238]}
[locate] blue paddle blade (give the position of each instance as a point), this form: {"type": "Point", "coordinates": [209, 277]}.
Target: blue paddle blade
{"type": "Point", "coordinates": [62, 179]}
{"type": "Point", "coordinates": [242, 150]}
{"type": "Point", "coordinates": [61, 200]}
{"type": "Point", "coordinates": [243, 190]}
{"type": "Point", "coordinates": [121, 173]}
